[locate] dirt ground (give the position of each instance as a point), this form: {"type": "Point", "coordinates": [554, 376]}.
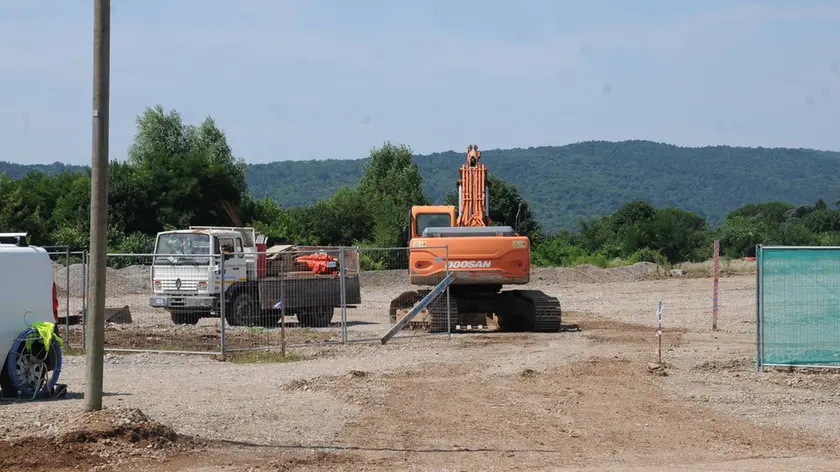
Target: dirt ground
{"type": "Point", "coordinates": [588, 400]}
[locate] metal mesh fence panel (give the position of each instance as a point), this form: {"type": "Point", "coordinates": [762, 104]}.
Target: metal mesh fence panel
{"type": "Point", "coordinates": [292, 299]}
{"type": "Point", "coordinates": [69, 276]}
{"type": "Point", "coordinates": [798, 306]}
{"type": "Point", "coordinates": [162, 303]}
{"type": "Point", "coordinates": [387, 293]}
{"type": "Point", "coordinates": [288, 296]}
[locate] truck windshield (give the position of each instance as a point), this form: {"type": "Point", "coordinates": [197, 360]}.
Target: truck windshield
{"type": "Point", "coordinates": [182, 249]}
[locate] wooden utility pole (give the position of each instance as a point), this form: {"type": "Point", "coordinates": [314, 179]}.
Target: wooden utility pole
{"type": "Point", "coordinates": [95, 345]}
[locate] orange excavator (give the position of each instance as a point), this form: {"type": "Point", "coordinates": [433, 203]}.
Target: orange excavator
{"type": "Point", "coordinates": [482, 259]}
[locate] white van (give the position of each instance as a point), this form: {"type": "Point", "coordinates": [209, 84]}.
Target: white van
{"type": "Point", "coordinates": [27, 295]}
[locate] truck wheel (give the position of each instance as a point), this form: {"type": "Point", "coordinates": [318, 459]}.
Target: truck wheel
{"type": "Point", "coordinates": [244, 311]}
{"type": "Point", "coordinates": [185, 318]}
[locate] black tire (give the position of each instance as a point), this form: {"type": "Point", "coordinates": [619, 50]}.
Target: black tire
{"type": "Point", "coordinates": [244, 311]}
{"type": "Point", "coordinates": [185, 318]}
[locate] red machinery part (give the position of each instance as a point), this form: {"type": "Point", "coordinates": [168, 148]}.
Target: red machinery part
{"type": "Point", "coordinates": [318, 263]}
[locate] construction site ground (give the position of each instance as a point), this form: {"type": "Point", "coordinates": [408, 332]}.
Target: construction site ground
{"type": "Point", "coordinates": [588, 400]}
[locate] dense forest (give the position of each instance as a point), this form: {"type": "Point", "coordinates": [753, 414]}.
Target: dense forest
{"type": "Point", "coordinates": [585, 180]}
{"type": "Point", "coordinates": [599, 203]}
{"type": "Point", "coordinates": [578, 181]}
{"type": "Point", "coordinates": [18, 171]}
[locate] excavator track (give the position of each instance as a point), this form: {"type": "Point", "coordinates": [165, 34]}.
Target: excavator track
{"type": "Point", "coordinates": [434, 318]}
{"type": "Point", "coordinates": [403, 304]}
{"type": "Point", "coordinates": [547, 312]}
{"type": "Point", "coordinates": [438, 314]}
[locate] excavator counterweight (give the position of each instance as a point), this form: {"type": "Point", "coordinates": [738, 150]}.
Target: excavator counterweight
{"type": "Point", "coordinates": [483, 258]}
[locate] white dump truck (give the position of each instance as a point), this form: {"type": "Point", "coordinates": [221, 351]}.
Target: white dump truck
{"type": "Point", "coordinates": [186, 278]}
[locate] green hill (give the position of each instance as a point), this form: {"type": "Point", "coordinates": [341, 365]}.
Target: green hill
{"type": "Point", "coordinates": [17, 171]}
{"type": "Point", "coordinates": [567, 183]}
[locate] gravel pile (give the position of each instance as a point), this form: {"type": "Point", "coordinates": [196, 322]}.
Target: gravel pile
{"type": "Point", "coordinates": [112, 438]}
{"type": "Point", "coordinates": [128, 280]}
{"type": "Point", "coordinates": [587, 273]}
{"type": "Point", "coordinates": [384, 279]}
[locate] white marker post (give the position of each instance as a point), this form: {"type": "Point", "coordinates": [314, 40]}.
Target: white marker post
{"type": "Point", "coordinates": [659, 333]}
{"type": "Point", "coordinates": [715, 286]}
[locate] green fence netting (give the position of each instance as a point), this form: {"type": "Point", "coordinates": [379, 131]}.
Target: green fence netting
{"type": "Point", "coordinates": [798, 305]}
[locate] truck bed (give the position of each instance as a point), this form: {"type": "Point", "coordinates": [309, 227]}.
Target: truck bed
{"type": "Point", "coordinates": [308, 290]}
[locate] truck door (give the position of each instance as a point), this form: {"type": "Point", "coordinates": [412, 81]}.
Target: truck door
{"type": "Point", "coordinates": [234, 262]}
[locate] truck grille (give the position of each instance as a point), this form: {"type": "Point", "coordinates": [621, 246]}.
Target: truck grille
{"type": "Point", "coordinates": [186, 285]}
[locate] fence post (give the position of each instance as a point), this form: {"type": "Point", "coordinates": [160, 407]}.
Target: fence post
{"type": "Point", "coordinates": [715, 290]}
{"type": "Point", "coordinates": [283, 314]}
{"type": "Point", "coordinates": [222, 302]}
{"type": "Point", "coordinates": [448, 314]}
{"type": "Point", "coordinates": [343, 287]}
{"type": "Point", "coordinates": [67, 296]}
{"type": "Point", "coordinates": [758, 308]}
{"type": "Point", "coordinates": [84, 296]}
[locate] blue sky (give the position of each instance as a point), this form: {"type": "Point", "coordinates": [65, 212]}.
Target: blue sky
{"type": "Point", "coordinates": [332, 79]}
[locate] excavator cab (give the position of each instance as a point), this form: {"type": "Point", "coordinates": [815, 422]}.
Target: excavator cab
{"type": "Point", "coordinates": [431, 216]}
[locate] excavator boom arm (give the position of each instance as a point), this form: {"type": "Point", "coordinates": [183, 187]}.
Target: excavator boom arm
{"type": "Point", "coordinates": [473, 198]}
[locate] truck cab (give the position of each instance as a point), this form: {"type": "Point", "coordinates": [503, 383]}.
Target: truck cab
{"type": "Point", "coordinates": [186, 269]}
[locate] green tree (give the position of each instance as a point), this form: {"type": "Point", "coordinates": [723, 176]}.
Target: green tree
{"type": "Point", "coordinates": [679, 235]}
{"type": "Point", "coordinates": [508, 208]}
{"type": "Point", "coordinates": [629, 226]}
{"type": "Point", "coordinates": [771, 212]}
{"type": "Point", "coordinates": [187, 173]}
{"type": "Point", "coordinates": [632, 213]}
{"type": "Point", "coordinates": [739, 235]}
{"type": "Point", "coordinates": [390, 186]}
